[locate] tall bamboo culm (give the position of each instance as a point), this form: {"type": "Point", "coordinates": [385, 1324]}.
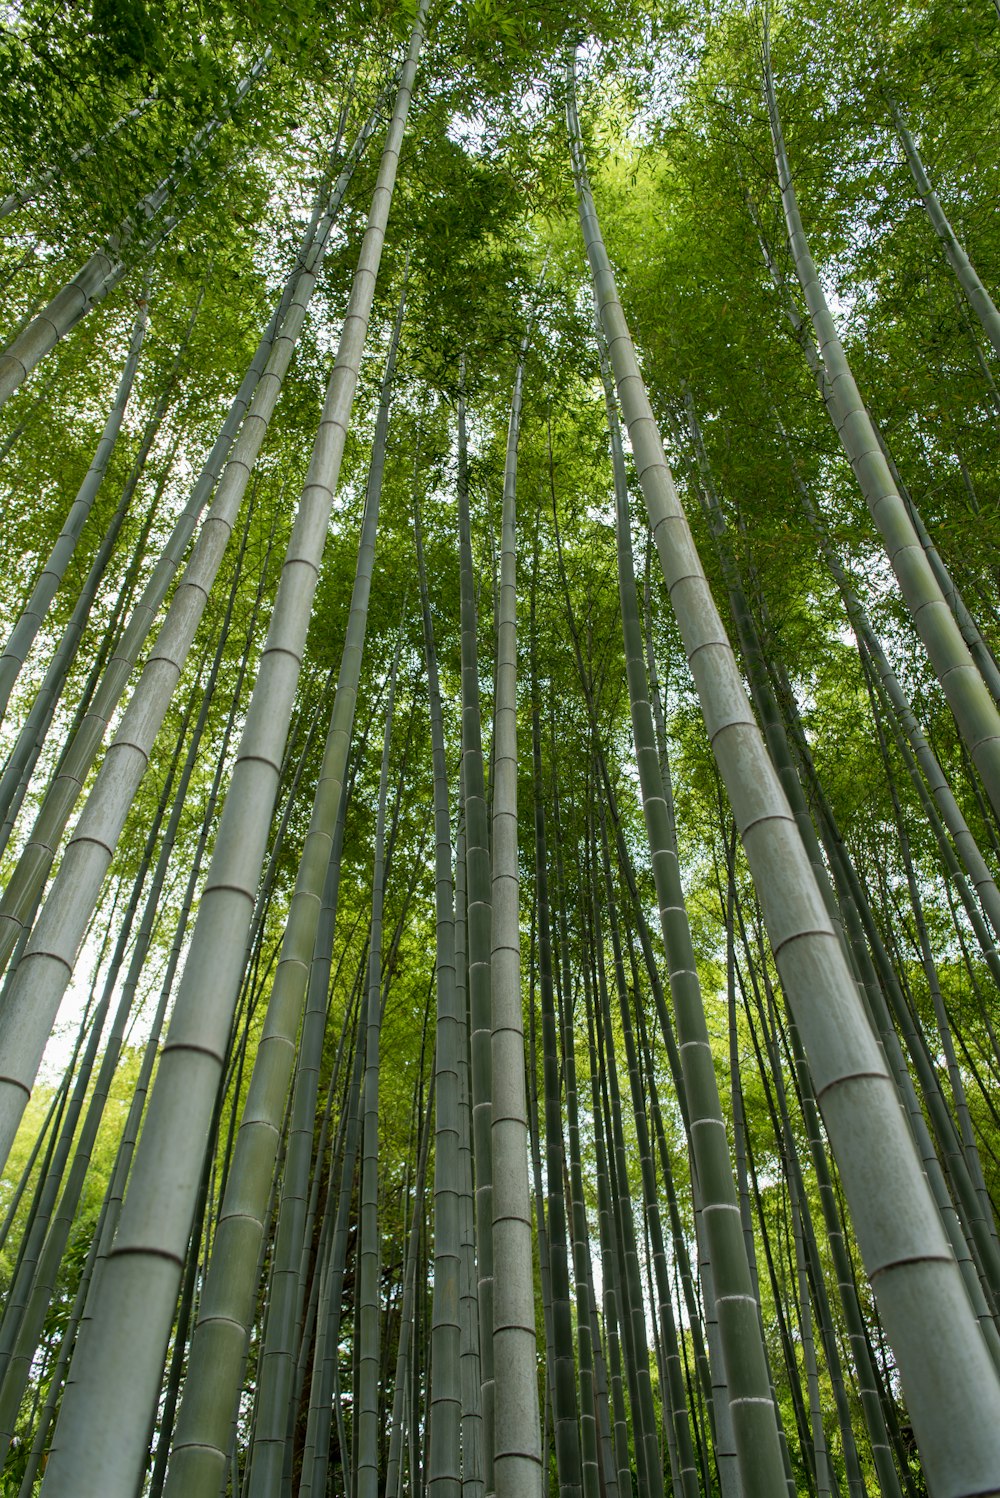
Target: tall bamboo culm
{"type": "Point", "coordinates": [517, 1446]}
{"type": "Point", "coordinates": [744, 1357]}
{"type": "Point", "coordinates": [34, 997]}
{"type": "Point", "coordinates": [480, 906]}
{"type": "Point", "coordinates": [975, 711]}
{"type": "Point", "coordinates": [954, 1395]}
{"type": "Point", "coordinates": [116, 1382]}
{"type": "Point", "coordinates": [444, 1465]}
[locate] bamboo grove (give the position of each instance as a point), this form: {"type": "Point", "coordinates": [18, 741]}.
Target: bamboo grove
{"type": "Point", "coordinates": [500, 750]}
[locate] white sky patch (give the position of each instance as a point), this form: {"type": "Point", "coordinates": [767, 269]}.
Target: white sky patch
{"type": "Point", "coordinates": [601, 514]}
{"type": "Point", "coordinates": [469, 132]}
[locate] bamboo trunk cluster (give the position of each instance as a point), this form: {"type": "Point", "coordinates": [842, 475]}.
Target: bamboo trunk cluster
{"type": "Point", "coordinates": [415, 1138]}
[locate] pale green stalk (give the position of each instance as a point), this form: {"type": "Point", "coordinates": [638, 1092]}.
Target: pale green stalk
{"type": "Point", "coordinates": [471, 1374]}
{"type": "Point", "coordinates": [952, 1389]}
{"type": "Point", "coordinates": [31, 1004]}
{"type": "Point", "coordinates": [979, 298]}
{"type": "Point", "coordinates": [565, 1411]}
{"type": "Point", "coordinates": [579, 1232]}
{"type": "Point", "coordinates": [37, 185]}
{"type": "Point", "coordinates": [740, 1336]}
{"type": "Point", "coordinates": [25, 884]}
{"type": "Point", "coordinates": [365, 1474]}
{"type": "Point", "coordinates": [950, 812]}
{"type": "Point", "coordinates": [474, 807]}
{"type": "Point", "coordinates": [517, 1471]}
{"type": "Point", "coordinates": [611, 1292]}
{"type": "Point", "coordinates": [322, 1394]}
{"type": "Point", "coordinates": [630, 1301]}
{"type": "Point", "coordinates": [404, 1353]}
{"type": "Point", "coordinates": [17, 772]}
{"type": "Point", "coordinates": [975, 711]}
{"type": "Point", "coordinates": [284, 1350]}
{"type": "Point", "coordinates": [259, 394]}
{"type": "Point", "coordinates": [444, 1465]}
{"type": "Point", "coordinates": [106, 266]}
{"type": "Point", "coordinates": [23, 634]}
{"type": "Point", "coordinates": [978, 648]}
{"type": "Point", "coordinates": [32, 1287]}
{"type": "Point", "coordinates": [142, 1274]}
{"type": "Point", "coordinates": [673, 1397]}
{"type": "Point", "coordinates": [272, 1069]}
